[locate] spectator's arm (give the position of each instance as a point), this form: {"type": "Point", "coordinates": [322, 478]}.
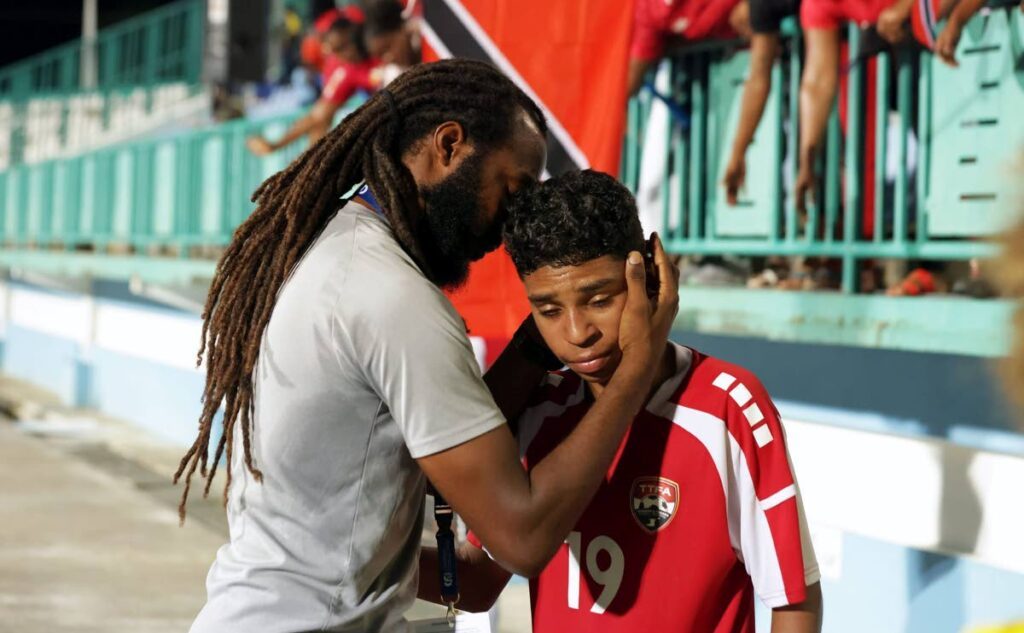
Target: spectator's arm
{"type": "Point", "coordinates": [893, 19]}
{"type": "Point", "coordinates": [817, 92]}
{"type": "Point", "coordinates": [481, 580]}
{"type": "Point", "coordinates": [764, 47]}
{"type": "Point", "coordinates": [804, 617]}
{"type": "Point", "coordinates": [647, 44]}
{"type": "Point", "coordinates": [946, 42]}
{"type": "Point", "coordinates": [739, 20]}
{"type": "Point", "coordinates": [314, 125]}
{"type": "Point", "coordinates": [637, 70]}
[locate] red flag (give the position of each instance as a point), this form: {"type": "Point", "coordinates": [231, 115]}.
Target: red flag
{"type": "Point", "coordinates": [571, 57]}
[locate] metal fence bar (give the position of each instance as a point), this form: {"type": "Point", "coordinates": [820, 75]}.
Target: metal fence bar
{"type": "Point", "coordinates": [681, 166]}
{"type": "Point", "coordinates": [853, 201]}
{"type": "Point", "coordinates": [698, 121]}
{"type": "Point", "coordinates": [795, 69]}
{"type": "Point", "coordinates": [833, 185]}
{"type": "Point", "coordinates": [904, 98]}
{"type": "Point", "coordinates": [881, 142]}
{"type": "Point", "coordinates": [924, 144]}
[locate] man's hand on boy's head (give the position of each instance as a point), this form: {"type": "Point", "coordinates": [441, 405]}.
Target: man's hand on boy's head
{"type": "Point", "coordinates": [646, 324]}
{"type": "Point", "coordinates": [667, 305]}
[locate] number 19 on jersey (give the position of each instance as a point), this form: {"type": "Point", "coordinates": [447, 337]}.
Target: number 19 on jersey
{"type": "Point", "coordinates": [610, 577]}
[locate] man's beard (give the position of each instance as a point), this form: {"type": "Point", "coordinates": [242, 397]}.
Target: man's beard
{"type": "Point", "coordinates": [446, 232]}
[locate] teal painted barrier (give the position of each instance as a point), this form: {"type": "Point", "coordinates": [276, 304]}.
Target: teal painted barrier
{"type": "Point", "coordinates": [179, 192]}
{"type": "Point", "coordinates": [50, 105]}
{"type": "Point", "coordinates": [160, 46]}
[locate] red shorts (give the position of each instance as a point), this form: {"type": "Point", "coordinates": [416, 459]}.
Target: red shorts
{"type": "Point", "coordinates": [924, 21]}
{"type": "Point", "coordinates": [830, 14]}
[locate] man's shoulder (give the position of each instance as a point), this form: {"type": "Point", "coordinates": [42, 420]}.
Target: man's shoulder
{"type": "Point", "coordinates": [382, 283]}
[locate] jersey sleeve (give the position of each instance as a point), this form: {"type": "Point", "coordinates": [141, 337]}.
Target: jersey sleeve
{"type": "Point", "coordinates": [340, 85]}
{"type": "Point", "coordinates": [419, 361]}
{"type": "Point", "coordinates": [765, 509]}
{"type": "Point", "coordinates": [648, 39]}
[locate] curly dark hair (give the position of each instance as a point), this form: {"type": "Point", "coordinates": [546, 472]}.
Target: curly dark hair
{"type": "Point", "coordinates": [570, 219]}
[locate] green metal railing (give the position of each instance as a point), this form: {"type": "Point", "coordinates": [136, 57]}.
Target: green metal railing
{"type": "Point", "coordinates": [145, 61]}
{"type": "Point", "coordinates": [189, 190]}
{"type": "Point", "coordinates": [193, 189]}
{"type": "Point", "coordinates": [967, 123]}
{"type": "Point", "coordinates": [161, 46]}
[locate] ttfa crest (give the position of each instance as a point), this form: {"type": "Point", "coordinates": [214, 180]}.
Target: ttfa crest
{"type": "Point", "coordinates": [654, 501]}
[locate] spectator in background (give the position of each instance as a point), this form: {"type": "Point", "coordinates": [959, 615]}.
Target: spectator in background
{"type": "Point", "coordinates": [312, 47]}
{"type": "Point", "coordinates": [924, 17]}
{"type": "Point", "coordinates": [392, 37]}
{"type": "Point", "coordinates": [347, 69]}
{"type": "Point", "coordinates": [1008, 274]}
{"type": "Point", "coordinates": [766, 18]}
{"type": "Point", "coordinates": [657, 22]}
{"type": "Point", "coordinates": [821, 20]}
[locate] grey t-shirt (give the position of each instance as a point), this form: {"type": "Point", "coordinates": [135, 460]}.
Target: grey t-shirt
{"type": "Point", "coordinates": [364, 367]}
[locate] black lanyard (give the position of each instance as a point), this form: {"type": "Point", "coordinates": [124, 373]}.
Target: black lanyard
{"type": "Point", "coordinates": [446, 562]}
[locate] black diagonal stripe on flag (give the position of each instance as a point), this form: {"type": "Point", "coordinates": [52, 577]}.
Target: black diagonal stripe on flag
{"type": "Point", "coordinates": [460, 41]}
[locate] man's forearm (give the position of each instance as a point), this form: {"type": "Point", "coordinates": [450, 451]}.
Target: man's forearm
{"type": "Point", "coordinates": [528, 515]}
{"type": "Point", "coordinates": [557, 502]}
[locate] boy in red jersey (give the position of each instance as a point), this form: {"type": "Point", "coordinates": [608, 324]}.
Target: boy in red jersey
{"type": "Point", "coordinates": [700, 509]}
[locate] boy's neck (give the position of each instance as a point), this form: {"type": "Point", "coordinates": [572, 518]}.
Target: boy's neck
{"type": "Point", "coordinates": [666, 369]}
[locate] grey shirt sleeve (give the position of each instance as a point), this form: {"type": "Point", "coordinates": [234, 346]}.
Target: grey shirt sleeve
{"type": "Point", "coordinates": [413, 350]}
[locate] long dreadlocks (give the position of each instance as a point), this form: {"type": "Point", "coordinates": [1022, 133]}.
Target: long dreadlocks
{"type": "Point", "coordinates": [294, 205]}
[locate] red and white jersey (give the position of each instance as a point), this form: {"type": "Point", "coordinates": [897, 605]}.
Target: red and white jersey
{"type": "Point", "coordinates": [343, 79]}
{"type": "Point", "coordinates": [699, 511]}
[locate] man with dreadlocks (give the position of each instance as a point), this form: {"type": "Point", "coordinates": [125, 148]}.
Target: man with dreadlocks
{"type": "Point", "coordinates": [345, 375]}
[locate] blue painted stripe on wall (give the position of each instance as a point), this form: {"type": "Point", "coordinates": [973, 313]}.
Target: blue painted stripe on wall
{"type": "Point", "coordinates": [884, 588]}
{"type": "Point", "coordinates": [46, 360]}
{"type": "Point", "coordinates": [161, 399]}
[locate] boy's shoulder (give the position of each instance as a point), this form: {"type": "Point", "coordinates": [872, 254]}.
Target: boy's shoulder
{"type": "Point", "coordinates": [724, 390]}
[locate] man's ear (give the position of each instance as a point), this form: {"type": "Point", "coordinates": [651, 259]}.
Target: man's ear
{"type": "Point", "coordinates": [449, 142]}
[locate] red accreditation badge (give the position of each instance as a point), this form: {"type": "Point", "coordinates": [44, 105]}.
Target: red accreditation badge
{"type": "Point", "coordinates": [654, 501]}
